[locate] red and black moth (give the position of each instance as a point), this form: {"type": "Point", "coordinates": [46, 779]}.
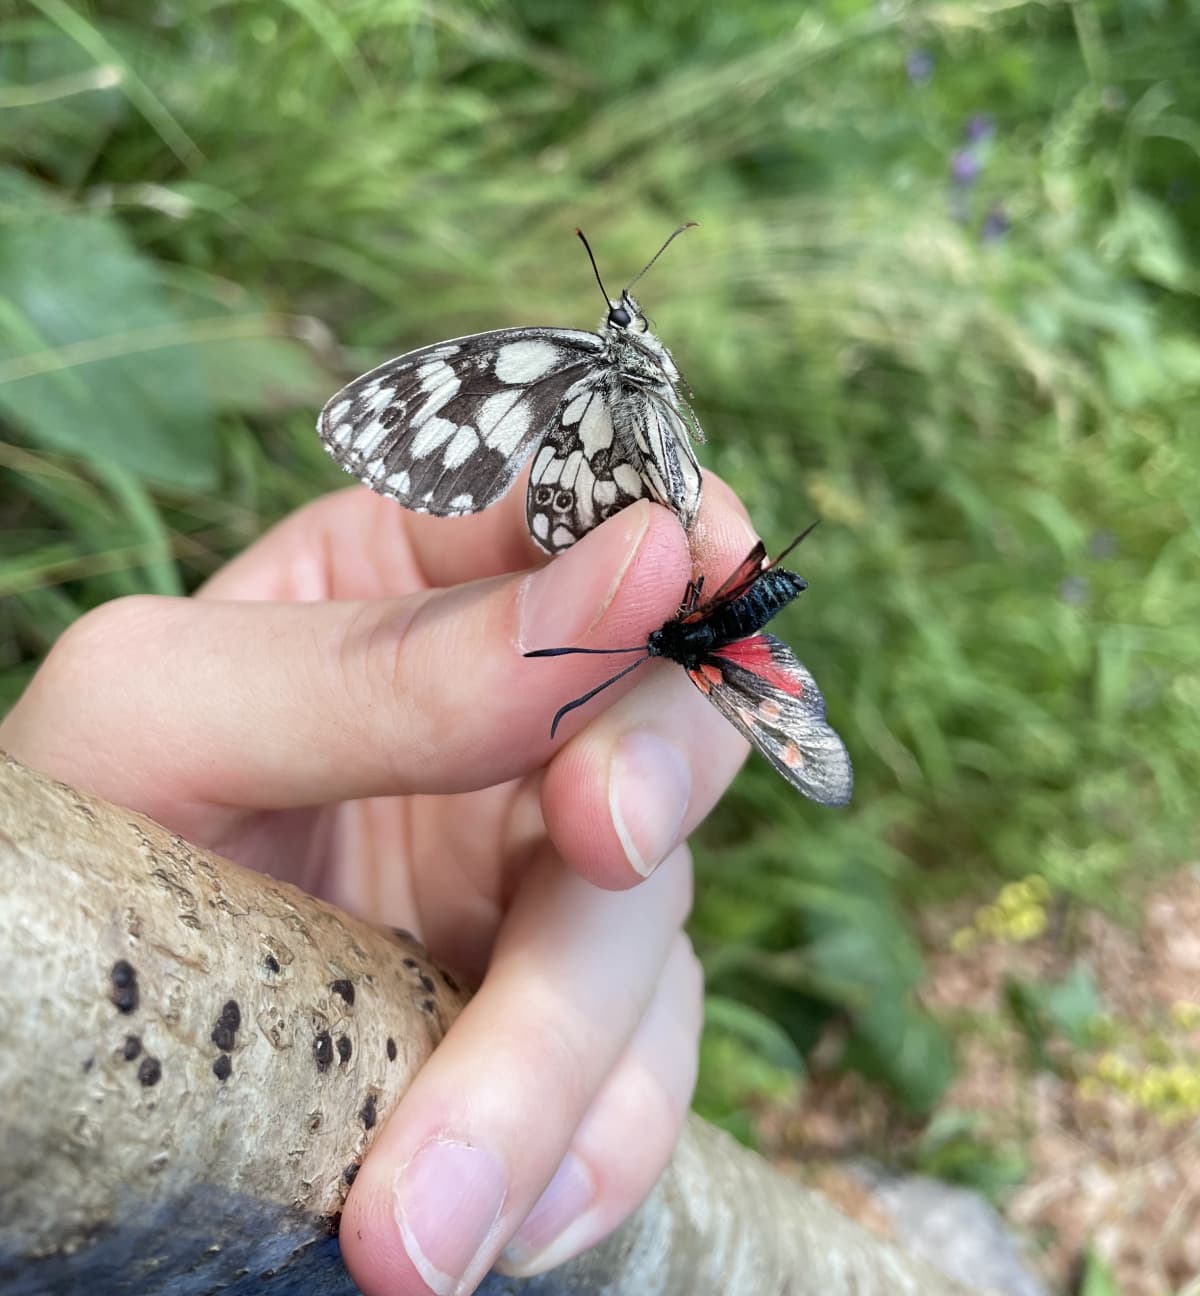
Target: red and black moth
{"type": "Point", "coordinates": [753, 679]}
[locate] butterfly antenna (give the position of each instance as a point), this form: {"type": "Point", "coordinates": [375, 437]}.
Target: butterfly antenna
{"type": "Point", "coordinates": [562, 652]}
{"type": "Point", "coordinates": [687, 225]}
{"type": "Point", "coordinates": [591, 693]}
{"type": "Point", "coordinates": [808, 530]}
{"type": "Point", "coordinates": [595, 268]}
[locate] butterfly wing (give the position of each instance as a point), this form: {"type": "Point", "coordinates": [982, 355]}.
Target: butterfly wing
{"type": "Point", "coordinates": [763, 691]}
{"type": "Point", "coordinates": [447, 428]}
{"type": "Point", "coordinates": [608, 445]}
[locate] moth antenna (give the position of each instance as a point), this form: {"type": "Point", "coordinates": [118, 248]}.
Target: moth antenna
{"type": "Point", "coordinates": [591, 693]}
{"type": "Point", "coordinates": [595, 268]}
{"type": "Point", "coordinates": [562, 652]}
{"type": "Point", "coordinates": [687, 225]}
{"type": "Point", "coordinates": [808, 530]}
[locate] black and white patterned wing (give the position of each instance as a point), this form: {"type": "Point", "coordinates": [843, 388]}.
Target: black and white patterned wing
{"type": "Point", "coordinates": [447, 428]}
{"type": "Point", "coordinates": [762, 690]}
{"type": "Point", "coordinates": [658, 429]}
{"type": "Point", "coordinates": [608, 445]}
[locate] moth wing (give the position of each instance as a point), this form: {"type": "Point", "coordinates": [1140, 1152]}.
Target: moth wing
{"type": "Point", "coordinates": [735, 584]}
{"type": "Point", "coordinates": [445, 429]}
{"type": "Point", "coordinates": [606, 447]}
{"type": "Point", "coordinates": [764, 692]}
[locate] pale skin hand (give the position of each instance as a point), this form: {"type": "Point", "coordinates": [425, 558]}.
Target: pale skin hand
{"type": "Point", "coordinates": [361, 651]}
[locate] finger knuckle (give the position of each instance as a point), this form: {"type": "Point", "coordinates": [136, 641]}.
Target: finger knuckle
{"type": "Point", "coordinates": [375, 666]}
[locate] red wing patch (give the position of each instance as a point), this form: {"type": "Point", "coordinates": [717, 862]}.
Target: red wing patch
{"type": "Point", "coordinates": [760, 656]}
{"type": "Point", "coordinates": [706, 677]}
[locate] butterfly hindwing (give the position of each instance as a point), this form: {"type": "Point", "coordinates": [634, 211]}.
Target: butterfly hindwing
{"type": "Point", "coordinates": [762, 690]}
{"type": "Point", "coordinates": [446, 429]}
{"type": "Point", "coordinates": [607, 446]}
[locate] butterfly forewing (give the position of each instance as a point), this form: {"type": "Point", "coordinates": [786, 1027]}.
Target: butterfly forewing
{"type": "Point", "coordinates": [447, 428]}
{"type": "Point", "coordinates": [761, 689]}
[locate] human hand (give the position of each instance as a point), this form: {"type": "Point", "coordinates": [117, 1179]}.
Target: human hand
{"type": "Point", "coordinates": [346, 705]}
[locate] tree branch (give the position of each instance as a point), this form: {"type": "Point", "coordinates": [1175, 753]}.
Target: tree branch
{"type": "Point", "coordinates": [194, 1059]}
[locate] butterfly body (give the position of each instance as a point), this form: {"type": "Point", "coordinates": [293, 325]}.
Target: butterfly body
{"type": "Point", "coordinates": [753, 679]}
{"type": "Point", "coordinates": [446, 429]}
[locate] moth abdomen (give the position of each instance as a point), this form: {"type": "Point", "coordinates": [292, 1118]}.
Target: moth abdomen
{"type": "Point", "coordinates": [744, 616]}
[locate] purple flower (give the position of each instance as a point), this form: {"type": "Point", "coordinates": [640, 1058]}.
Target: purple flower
{"type": "Point", "coordinates": [995, 225]}
{"type": "Point", "coordinates": [965, 168]}
{"type": "Point", "coordinates": [1103, 544]}
{"type": "Point", "coordinates": [919, 66]}
{"type": "Point", "coordinates": [980, 128]}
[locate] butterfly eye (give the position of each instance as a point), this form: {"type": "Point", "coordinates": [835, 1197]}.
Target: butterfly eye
{"type": "Point", "coordinates": [619, 316]}
{"type": "Point", "coordinates": [543, 495]}
{"type": "Point", "coordinates": [563, 500]}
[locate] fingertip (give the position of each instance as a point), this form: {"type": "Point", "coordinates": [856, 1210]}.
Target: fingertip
{"type": "Point", "coordinates": [618, 578]}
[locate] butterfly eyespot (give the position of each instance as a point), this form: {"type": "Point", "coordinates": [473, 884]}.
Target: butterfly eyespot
{"type": "Point", "coordinates": [619, 316]}
{"type": "Point", "coordinates": [543, 495]}
{"type": "Point", "coordinates": [563, 500]}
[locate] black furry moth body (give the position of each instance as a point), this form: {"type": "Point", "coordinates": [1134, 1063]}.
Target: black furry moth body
{"type": "Point", "coordinates": [753, 679]}
{"type": "Point", "coordinates": [447, 428]}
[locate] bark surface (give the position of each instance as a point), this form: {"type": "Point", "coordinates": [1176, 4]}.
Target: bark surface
{"type": "Point", "coordinates": [194, 1059]}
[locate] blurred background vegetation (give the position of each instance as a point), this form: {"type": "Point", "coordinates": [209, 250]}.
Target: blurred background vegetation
{"type": "Point", "coordinates": [944, 295]}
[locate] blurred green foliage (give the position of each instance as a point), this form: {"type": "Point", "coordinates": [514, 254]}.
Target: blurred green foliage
{"type": "Point", "coordinates": [944, 295]}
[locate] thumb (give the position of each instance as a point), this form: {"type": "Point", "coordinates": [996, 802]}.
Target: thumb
{"type": "Point", "coordinates": [278, 705]}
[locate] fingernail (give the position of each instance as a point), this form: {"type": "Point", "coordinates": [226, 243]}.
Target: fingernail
{"type": "Point", "coordinates": [446, 1201]}
{"type": "Point", "coordinates": [566, 1197]}
{"type": "Point", "coordinates": [563, 600]}
{"type": "Point", "coordinates": [649, 785]}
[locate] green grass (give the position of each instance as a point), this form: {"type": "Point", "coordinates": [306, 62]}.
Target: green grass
{"type": "Point", "coordinates": [987, 391]}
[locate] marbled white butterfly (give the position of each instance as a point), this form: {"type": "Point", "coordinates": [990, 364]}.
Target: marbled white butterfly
{"type": "Point", "coordinates": [447, 428]}
{"type": "Point", "coordinates": [753, 679]}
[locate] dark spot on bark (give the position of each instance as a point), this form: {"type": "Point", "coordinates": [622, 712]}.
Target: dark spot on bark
{"type": "Point", "coordinates": [391, 1049]}
{"type": "Point", "coordinates": [351, 1172]}
{"type": "Point", "coordinates": [222, 1068]}
{"type": "Point", "coordinates": [411, 963]}
{"type": "Point", "coordinates": [323, 1050]}
{"type": "Point", "coordinates": [345, 989]}
{"type": "Point", "coordinates": [271, 963]}
{"type": "Point", "coordinates": [427, 983]}
{"type": "Point", "coordinates": [314, 1122]}
{"type": "Point", "coordinates": [226, 1028]}
{"type": "Point", "coordinates": [368, 1114]}
{"type": "Point", "coordinates": [450, 981]}
{"type": "Point", "coordinates": [344, 1048]}
{"type": "Point", "coordinates": [427, 1005]}
{"type": "Point", "coordinates": [124, 986]}
{"type": "Point", "coordinates": [89, 1063]}
{"type": "Point", "coordinates": [132, 1047]}
{"type": "Point", "coordinates": [150, 1071]}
